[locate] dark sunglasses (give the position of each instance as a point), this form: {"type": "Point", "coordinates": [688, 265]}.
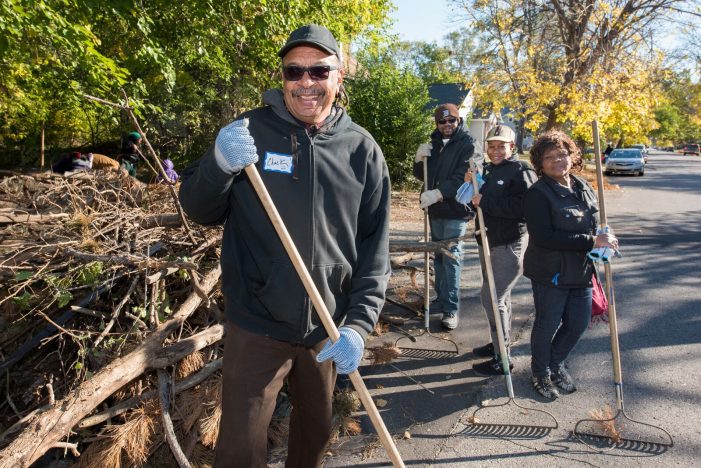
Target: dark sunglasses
{"type": "Point", "coordinates": [445, 121]}
{"type": "Point", "coordinates": [316, 72]}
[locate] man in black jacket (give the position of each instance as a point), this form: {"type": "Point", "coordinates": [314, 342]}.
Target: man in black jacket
{"type": "Point", "coordinates": [329, 182]}
{"type": "Point", "coordinates": [506, 180]}
{"type": "Point", "coordinates": [447, 157]}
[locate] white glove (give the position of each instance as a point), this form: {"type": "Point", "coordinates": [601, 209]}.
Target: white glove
{"type": "Point", "coordinates": [234, 147]}
{"type": "Point", "coordinates": [429, 198]}
{"type": "Point", "coordinates": [423, 152]}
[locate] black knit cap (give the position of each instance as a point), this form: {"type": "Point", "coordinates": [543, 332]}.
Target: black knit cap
{"type": "Point", "coordinates": [312, 35]}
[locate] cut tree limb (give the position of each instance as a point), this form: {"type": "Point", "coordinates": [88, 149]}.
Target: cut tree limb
{"type": "Point", "coordinates": [421, 246]}
{"type": "Point", "coordinates": [45, 429]}
{"type": "Point", "coordinates": [185, 384]}
{"type": "Point", "coordinates": [29, 218]}
{"type": "Point", "coordinates": [164, 388]}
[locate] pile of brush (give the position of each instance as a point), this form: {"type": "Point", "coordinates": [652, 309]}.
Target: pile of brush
{"type": "Point", "coordinates": [107, 297]}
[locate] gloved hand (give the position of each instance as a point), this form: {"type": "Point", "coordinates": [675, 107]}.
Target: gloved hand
{"type": "Point", "coordinates": [346, 352]}
{"type": "Point", "coordinates": [423, 152]}
{"type": "Point", "coordinates": [465, 193]}
{"type": "Point", "coordinates": [604, 254]}
{"type": "Point", "coordinates": [429, 198]}
{"type": "Point", "coordinates": [234, 147]}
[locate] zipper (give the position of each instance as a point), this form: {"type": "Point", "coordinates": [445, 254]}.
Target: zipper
{"type": "Point", "coordinates": [306, 324]}
{"type": "Point", "coordinates": [295, 154]}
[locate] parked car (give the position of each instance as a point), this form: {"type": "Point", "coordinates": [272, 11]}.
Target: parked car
{"type": "Point", "coordinates": [691, 148]}
{"type": "Point", "coordinates": [625, 160]}
{"type": "Point", "coordinates": [643, 149]}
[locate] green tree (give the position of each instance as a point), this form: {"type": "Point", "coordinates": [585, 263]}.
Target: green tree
{"type": "Point", "coordinates": [390, 103]}
{"type": "Point", "coordinates": [431, 62]}
{"type": "Point", "coordinates": [679, 112]}
{"type": "Point", "coordinates": [189, 66]}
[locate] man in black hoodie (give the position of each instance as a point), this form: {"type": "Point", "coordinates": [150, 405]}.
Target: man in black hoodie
{"type": "Point", "coordinates": [329, 182]}
{"type": "Point", "coordinates": [447, 157]}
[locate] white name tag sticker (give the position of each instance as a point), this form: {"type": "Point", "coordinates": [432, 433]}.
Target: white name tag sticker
{"type": "Point", "coordinates": [276, 162]}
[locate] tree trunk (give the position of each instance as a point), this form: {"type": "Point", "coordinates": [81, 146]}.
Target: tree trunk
{"type": "Point", "coordinates": [41, 147]}
{"type": "Point", "coordinates": [45, 430]}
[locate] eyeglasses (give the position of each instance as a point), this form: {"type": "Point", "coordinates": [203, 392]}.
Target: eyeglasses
{"type": "Point", "coordinates": [445, 121]}
{"type": "Point", "coordinates": [316, 72]}
{"type": "Point", "coordinates": [559, 157]}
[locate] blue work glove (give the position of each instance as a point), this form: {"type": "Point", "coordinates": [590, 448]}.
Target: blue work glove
{"type": "Point", "coordinates": [234, 147]}
{"type": "Point", "coordinates": [346, 352]}
{"type": "Point", "coordinates": [465, 193]}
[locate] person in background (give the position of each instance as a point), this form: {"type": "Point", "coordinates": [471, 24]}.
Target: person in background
{"type": "Point", "coordinates": [560, 211]}
{"type": "Point", "coordinates": [608, 150]}
{"type": "Point", "coordinates": [73, 162]}
{"type": "Point", "coordinates": [105, 163]}
{"type": "Point", "coordinates": [169, 169]}
{"type": "Point", "coordinates": [506, 181]}
{"type": "Point", "coordinates": [129, 158]}
{"type": "Point", "coordinates": [329, 181]}
{"type": "Point", "coordinates": [447, 157]}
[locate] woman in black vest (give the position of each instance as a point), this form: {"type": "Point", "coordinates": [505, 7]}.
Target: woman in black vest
{"type": "Point", "coordinates": [560, 211]}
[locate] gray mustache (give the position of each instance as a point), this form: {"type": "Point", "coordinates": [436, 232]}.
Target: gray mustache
{"type": "Point", "coordinates": [308, 92]}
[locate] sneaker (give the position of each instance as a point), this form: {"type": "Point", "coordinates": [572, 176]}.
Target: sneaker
{"type": "Point", "coordinates": [490, 368]}
{"type": "Point", "coordinates": [545, 387]}
{"type": "Point", "coordinates": [450, 321]}
{"type": "Point", "coordinates": [484, 351]}
{"type": "Point", "coordinates": [563, 380]}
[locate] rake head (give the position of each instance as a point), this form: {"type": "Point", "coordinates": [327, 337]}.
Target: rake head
{"type": "Point", "coordinates": [510, 420]}
{"type": "Point", "coordinates": [607, 431]}
{"type": "Point", "coordinates": [424, 353]}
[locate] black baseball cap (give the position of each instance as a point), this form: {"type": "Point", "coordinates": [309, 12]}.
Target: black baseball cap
{"type": "Point", "coordinates": [312, 35]}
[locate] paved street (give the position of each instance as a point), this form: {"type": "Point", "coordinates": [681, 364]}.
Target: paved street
{"type": "Point", "coordinates": [658, 295]}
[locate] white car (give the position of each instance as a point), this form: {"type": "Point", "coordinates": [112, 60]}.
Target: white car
{"type": "Point", "coordinates": [625, 160]}
{"type": "Point", "coordinates": [643, 149]}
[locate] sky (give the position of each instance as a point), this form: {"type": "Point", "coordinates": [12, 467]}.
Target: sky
{"type": "Point", "coordinates": [421, 20]}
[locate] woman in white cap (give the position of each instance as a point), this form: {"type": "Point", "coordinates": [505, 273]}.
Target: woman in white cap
{"type": "Point", "coordinates": [506, 181]}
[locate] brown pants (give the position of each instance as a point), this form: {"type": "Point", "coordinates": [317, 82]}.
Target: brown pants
{"type": "Point", "coordinates": [255, 367]}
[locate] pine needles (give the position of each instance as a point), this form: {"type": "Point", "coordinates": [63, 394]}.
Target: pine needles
{"type": "Point", "coordinates": [608, 423]}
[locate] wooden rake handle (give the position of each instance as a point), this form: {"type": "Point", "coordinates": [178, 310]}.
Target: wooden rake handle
{"type": "Point", "coordinates": [427, 254]}
{"type": "Point", "coordinates": [492, 285]}
{"type": "Point", "coordinates": [321, 310]}
{"type": "Point", "coordinates": [608, 272]}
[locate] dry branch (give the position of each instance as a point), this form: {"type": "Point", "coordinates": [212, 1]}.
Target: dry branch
{"type": "Point", "coordinates": [185, 384]}
{"type": "Point", "coordinates": [29, 218]}
{"type": "Point", "coordinates": [164, 388]}
{"type": "Point", "coordinates": [47, 428]}
{"type": "Point", "coordinates": [420, 246]}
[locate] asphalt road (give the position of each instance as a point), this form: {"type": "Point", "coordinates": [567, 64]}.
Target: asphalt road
{"type": "Point", "coordinates": [426, 403]}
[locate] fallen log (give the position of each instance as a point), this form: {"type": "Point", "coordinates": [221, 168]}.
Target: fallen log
{"type": "Point", "coordinates": [169, 220]}
{"type": "Point", "coordinates": [45, 429]}
{"type": "Point", "coordinates": [421, 246]}
{"type": "Point", "coordinates": [185, 384]}
{"type": "Point", "coordinates": [28, 218]}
